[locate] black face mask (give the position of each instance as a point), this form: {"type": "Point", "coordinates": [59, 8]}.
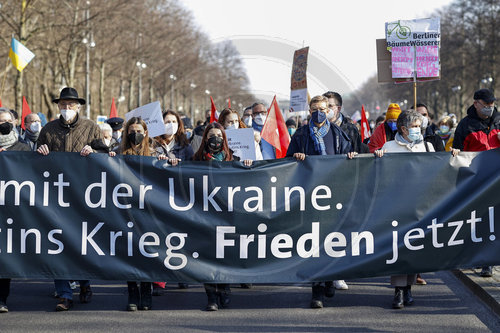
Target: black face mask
{"type": "Point", "coordinates": [6, 128]}
{"type": "Point", "coordinates": [136, 138]}
{"type": "Point", "coordinates": [215, 144]}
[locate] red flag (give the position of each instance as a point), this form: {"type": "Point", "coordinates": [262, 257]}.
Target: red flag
{"type": "Point", "coordinates": [275, 131]}
{"type": "Point", "coordinates": [213, 111]}
{"type": "Point", "coordinates": [26, 111]}
{"type": "Point", "coordinates": [112, 112]}
{"type": "Point", "coordinates": [365, 126]}
{"type": "Point", "coordinates": [229, 102]}
{"type": "Point", "coordinates": [0, 103]}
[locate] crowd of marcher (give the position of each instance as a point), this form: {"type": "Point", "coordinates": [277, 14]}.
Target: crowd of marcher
{"type": "Point", "coordinates": [326, 131]}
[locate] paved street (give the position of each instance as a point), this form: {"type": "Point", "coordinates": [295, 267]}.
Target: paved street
{"type": "Point", "coordinates": [444, 305]}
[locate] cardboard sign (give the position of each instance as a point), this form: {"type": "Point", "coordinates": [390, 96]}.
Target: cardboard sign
{"type": "Point", "coordinates": [242, 143]}
{"type": "Point", "coordinates": [151, 114]}
{"type": "Point", "coordinates": [298, 94]}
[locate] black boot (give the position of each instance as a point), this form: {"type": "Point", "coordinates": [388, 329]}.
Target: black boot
{"type": "Point", "coordinates": [397, 303]}
{"type": "Point", "coordinates": [407, 297]}
{"type": "Point", "coordinates": [211, 291]}
{"type": "Point", "coordinates": [133, 296]}
{"type": "Point", "coordinates": [224, 293]}
{"type": "Point", "coordinates": [318, 292]}
{"type": "Point", "coordinates": [329, 289]}
{"type": "Point", "coordinates": [146, 296]}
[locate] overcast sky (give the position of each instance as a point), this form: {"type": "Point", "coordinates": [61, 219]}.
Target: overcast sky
{"type": "Point", "coordinates": [340, 34]}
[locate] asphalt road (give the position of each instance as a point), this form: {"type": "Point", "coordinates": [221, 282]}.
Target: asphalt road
{"type": "Point", "coordinates": [444, 305]}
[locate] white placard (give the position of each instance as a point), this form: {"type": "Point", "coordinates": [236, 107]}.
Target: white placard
{"type": "Point", "coordinates": [242, 143]}
{"type": "Point", "coordinates": [151, 114]}
{"type": "Point", "coordinates": [298, 100]}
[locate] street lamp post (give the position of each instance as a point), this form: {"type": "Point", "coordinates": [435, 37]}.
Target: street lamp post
{"type": "Point", "coordinates": [140, 65]}
{"type": "Point", "coordinates": [88, 40]}
{"type": "Point", "coordinates": [192, 86]}
{"type": "Point", "coordinates": [173, 78]}
{"type": "Point", "coordinates": [456, 91]}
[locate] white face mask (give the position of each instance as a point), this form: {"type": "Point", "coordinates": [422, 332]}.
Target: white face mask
{"type": "Point", "coordinates": [68, 114]}
{"type": "Point", "coordinates": [260, 119]}
{"type": "Point", "coordinates": [425, 123]}
{"type": "Point", "coordinates": [233, 126]}
{"type": "Point", "coordinates": [35, 127]}
{"type": "Point", "coordinates": [331, 114]}
{"type": "Point", "coordinates": [171, 128]}
{"type": "Point", "coordinates": [248, 121]}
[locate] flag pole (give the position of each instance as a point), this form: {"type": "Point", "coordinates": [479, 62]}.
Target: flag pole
{"type": "Point", "coordinates": [4, 76]}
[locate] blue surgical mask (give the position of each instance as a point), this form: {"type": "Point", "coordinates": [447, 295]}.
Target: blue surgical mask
{"type": "Point", "coordinates": [318, 117]}
{"type": "Point", "coordinates": [393, 126]}
{"type": "Point", "coordinates": [414, 134]}
{"type": "Point", "coordinates": [444, 129]}
{"type": "Point", "coordinates": [291, 131]}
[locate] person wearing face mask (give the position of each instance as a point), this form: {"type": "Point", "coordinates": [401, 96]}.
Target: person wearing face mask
{"type": "Point", "coordinates": [8, 142]}
{"type": "Point", "coordinates": [247, 117]}
{"type": "Point", "coordinates": [214, 147]}
{"type": "Point", "coordinates": [33, 126]}
{"type": "Point", "coordinates": [387, 130]}
{"type": "Point", "coordinates": [231, 120]}
{"type": "Point", "coordinates": [116, 124]}
{"type": "Point", "coordinates": [174, 143]}
{"type": "Point", "coordinates": [428, 128]}
{"type": "Point", "coordinates": [259, 115]}
{"type": "Point", "coordinates": [291, 126]}
{"type": "Point", "coordinates": [408, 138]}
{"type": "Point", "coordinates": [345, 123]}
{"type": "Point", "coordinates": [479, 131]}
{"type": "Point", "coordinates": [69, 133]}
{"type": "Point", "coordinates": [320, 137]}
{"type": "Point", "coordinates": [446, 131]}
{"type": "Point", "coordinates": [136, 142]}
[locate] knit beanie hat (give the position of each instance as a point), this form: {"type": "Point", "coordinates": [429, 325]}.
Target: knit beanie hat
{"type": "Point", "coordinates": [393, 111]}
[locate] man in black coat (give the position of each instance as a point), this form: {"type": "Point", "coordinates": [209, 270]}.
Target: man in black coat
{"type": "Point", "coordinates": [345, 123]}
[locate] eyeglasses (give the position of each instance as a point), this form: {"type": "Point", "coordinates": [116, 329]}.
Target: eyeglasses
{"type": "Point", "coordinates": [67, 104]}
{"type": "Point", "coordinates": [485, 106]}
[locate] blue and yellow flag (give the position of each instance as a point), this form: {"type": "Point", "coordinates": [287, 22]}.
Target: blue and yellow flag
{"type": "Point", "coordinates": [19, 54]}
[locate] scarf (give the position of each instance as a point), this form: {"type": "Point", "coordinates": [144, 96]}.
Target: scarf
{"type": "Point", "coordinates": [31, 136]}
{"type": "Point", "coordinates": [8, 140]}
{"type": "Point", "coordinates": [400, 138]}
{"type": "Point", "coordinates": [220, 156]}
{"type": "Point", "coordinates": [318, 134]}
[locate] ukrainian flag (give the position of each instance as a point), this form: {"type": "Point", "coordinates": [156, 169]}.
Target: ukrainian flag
{"type": "Point", "coordinates": [19, 54]}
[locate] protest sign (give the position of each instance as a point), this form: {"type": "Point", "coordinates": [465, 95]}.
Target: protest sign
{"type": "Point", "coordinates": [414, 45]}
{"type": "Point", "coordinates": [298, 93]}
{"type": "Point", "coordinates": [152, 116]}
{"type": "Point", "coordinates": [242, 143]}
{"type": "Point", "coordinates": [136, 218]}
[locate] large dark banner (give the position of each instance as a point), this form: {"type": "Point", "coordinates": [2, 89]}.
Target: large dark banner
{"type": "Point", "coordinates": [136, 218]}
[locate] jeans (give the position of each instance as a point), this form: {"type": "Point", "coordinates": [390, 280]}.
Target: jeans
{"type": "Point", "coordinates": [64, 290]}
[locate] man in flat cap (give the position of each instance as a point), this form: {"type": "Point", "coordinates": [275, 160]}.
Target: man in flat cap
{"type": "Point", "coordinates": [116, 124]}
{"type": "Point", "coordinates": [479, 131]}
{"type": "Point", "coordinates": [69, 133]}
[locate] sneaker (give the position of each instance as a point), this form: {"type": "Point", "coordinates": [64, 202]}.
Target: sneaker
{"type": "Point", "coordinates": [64, 304]}
{"type": "Point", "coordinates": [420, 281]}
{"type": "Point", "coordinates": [340, 285]}
{"type": "Point", "coordinates": [3, 307]}
{"type": "Point", "coordinates": [487, 271]}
